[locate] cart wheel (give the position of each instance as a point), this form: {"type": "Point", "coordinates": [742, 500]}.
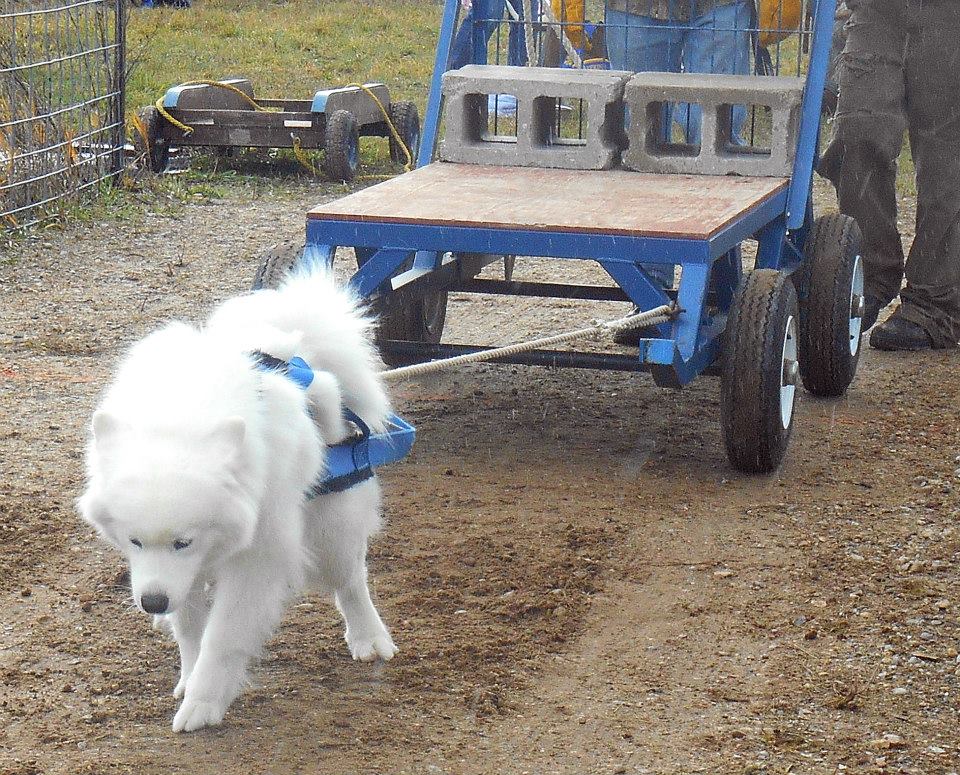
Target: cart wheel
{"type": "Point", "coordinates": [831, 315]}
{"type": "Point", "coordinates": [407, 122]}
{"type": "Point", "coordinates": [153, 149]}
{"type": "Point", "coordinates": [421, 320]}
{"type": "Point", "coordinates": [276, 263]}
{"type": "Point", "coordinates": [342, 146]}
{"type": "Point", "coordinates": [760, 373]}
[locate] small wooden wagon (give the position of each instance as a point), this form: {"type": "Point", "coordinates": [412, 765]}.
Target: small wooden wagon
{"type": "Point", "coordinates": [225, 115]}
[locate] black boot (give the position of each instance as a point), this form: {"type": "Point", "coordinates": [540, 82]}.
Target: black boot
{"type": "Point", "coordinates": [898, 333]}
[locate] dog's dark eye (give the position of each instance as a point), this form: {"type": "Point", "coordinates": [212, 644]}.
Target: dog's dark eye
{"type": "Point", "coordinates": [136, 543]}
{"type": "Point", "coordinates": [181, 543]}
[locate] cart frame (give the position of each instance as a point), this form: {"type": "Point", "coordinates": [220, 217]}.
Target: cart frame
{"type": "Point", "coordinates": [448, 257]}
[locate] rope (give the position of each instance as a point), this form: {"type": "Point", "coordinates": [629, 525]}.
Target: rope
{"type": "Point", "coordinates": [528, 39]}
{"type": "Point", "coordinates": [572, 54]}
{"type": "Point", "coordinates": [651, 317]}
{"type": "Point", "coordinates": [301, 156]}
{"type": "Point", "coordinates": [141, 129]}
{"type": "Point", "coordinates": [390, 125]}
{"type": "Point", "coordinates": [219, 84]}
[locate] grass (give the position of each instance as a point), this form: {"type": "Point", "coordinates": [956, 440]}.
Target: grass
{"type": "Point", "coordinates": [287, 49]}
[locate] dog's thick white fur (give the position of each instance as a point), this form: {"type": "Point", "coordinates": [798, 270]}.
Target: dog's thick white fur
{"type": "Point", "coordinates": [197, 469]}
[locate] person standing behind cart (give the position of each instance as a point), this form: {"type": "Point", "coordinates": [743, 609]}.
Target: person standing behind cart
{"type": "Point", "coordinates": [695, 36]}
{"type": "Point", "coordinates": [900, 70]}
{"type": "Point", "coordinates": [461, 51]}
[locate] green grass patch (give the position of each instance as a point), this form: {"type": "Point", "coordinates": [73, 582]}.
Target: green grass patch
{"type": "Point", "coordinates": [287, 49]}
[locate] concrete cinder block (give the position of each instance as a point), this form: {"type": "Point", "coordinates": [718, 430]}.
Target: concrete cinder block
{"type": "Point", "coordinates": [646, 93]}
{"type": "Point", "coordinates": [467, 139]}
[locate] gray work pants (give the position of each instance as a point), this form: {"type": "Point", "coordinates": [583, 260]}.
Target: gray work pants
{"type": "Point", "coordinates": [900, 70]}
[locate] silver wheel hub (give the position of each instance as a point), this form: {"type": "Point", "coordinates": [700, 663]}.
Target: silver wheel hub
{"type": "Point", "coordinates": [789, 372]}
{"type": "Point", "coordinates": [858, 305]}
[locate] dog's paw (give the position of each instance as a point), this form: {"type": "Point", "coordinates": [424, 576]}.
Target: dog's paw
{"type": "Point", "coordinates": [197, 714]}
{"type": "Point", "coordinates": [180, 689]}
{"type": "Point", "coordinates": [369, 649]}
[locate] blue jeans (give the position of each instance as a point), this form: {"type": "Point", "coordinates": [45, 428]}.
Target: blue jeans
{"type": "Point", "coordinates": [461, 50]}
{"type": "Point", "coordinates": [717, 41]}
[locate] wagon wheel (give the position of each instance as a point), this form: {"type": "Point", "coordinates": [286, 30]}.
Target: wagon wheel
{"type": "Point", "coordinates": [276, 264]}
{"type": "Point", "coordinates": [342, 146]}
{"type": "Point", "coordinates": [148, 143]}
{"type": "Point", "coordinates": [831, 314]}
{"type": "Point", "coordinates": [406, 121]}
{"type": "Point", "coordinates": [760, 373]}
{"type": "Point", "coordinates": [419, 320]}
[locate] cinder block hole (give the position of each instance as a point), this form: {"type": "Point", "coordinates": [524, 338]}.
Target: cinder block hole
{"type": "Point", "coordinates": [755, 134]}
{"type": "Point", "coordinates": [559, 121]}
{"type": "Point", "coordinates": [492, 118]}
{"type": "Point", "coordinates": [666, 136]}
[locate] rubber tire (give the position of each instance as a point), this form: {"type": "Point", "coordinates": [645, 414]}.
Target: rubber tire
{"type": "Point", "coordinates": [421, 321]}
{"type": "Point", "coordinates": [827, 366]}
{"type": "Point", "coordinates": [406, 119]}
{"type": "Point", "coordinates": [276, 263]}
{"type": "Point", "coordinates": [750, 381]}
{"type": "Point", "coordinates": [341, 146]}
{"type": "Point", "coordinates": [156, 151]}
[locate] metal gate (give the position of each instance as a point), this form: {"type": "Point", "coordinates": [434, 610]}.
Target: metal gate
{"type": "Point", "coordinates": [61, 103]}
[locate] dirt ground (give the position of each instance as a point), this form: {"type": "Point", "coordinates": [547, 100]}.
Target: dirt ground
{"type": "Point", "coordinates": [577, 580]}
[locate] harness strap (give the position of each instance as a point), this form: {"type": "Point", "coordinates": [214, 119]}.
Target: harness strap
{"type": "Point", "coordinates": [354, 450]}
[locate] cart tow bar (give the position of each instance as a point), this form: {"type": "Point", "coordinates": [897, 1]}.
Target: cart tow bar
{"type": "Point", "coordinates": [655, 316]}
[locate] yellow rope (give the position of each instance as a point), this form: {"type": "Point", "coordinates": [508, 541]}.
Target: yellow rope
{"type": "Point", "coordinates": [390, 125]}
{"type": "Point", "coordinates": [219, 84]}
{"type": "Point", "coordinates": [141, 130]}
{"type": "Point", "coordinates": [301, 156]}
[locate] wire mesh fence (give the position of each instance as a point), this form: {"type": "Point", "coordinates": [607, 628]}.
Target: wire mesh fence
{"type": "Point", "coordinates": [61, 103]}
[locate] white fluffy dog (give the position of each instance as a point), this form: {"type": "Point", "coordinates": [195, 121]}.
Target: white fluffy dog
{"type": "Point", "coordinates": [198, 468]}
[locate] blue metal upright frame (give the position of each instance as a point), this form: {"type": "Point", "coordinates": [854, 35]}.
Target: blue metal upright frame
{"type": "Point", "coordinates": [685, 347]}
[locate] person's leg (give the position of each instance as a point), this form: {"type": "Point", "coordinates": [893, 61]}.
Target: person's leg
{"type": "Point", "coordinates": [931, 298]}
{"type": "Point", "coordinates": [643, 44]}
{"type": "Point", "coordinates": [863, 155]}
{"type": "Point", "coordinates": [461, 50]}
{"type": "Point", "coordinates": [718, 42]}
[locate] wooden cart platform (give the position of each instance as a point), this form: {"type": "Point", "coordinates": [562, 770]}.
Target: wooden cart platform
{"type": "Point", "coordinates": [612, 202]}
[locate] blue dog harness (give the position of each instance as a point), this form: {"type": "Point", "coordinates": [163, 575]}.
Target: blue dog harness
{"type": "Point", "coordinates": [352, 460]}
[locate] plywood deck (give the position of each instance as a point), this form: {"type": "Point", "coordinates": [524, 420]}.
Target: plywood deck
{"type": "Point", "coordinates": [600, 202]}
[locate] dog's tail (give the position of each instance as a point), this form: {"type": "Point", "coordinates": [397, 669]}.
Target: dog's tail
{"type": "Point", "coordinates": [338, 337]}
{"type": "Point", "coordinates": [333, 331]}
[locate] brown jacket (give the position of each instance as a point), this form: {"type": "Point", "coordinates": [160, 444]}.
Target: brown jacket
{"type": "Point", "coordinates": [676, 10]}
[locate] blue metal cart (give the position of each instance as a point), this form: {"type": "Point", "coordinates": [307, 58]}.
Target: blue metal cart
{"type": "Point", "coordinates": [796, 317]}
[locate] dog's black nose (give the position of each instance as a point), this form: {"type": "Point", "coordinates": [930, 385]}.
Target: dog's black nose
{"type": "Point", "coordinates": [154, 604]}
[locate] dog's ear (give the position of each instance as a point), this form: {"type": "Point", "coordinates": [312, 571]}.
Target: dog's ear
{"type": "Point", "coordinates": [94, 513]}
{"type": "Point", "coordinates": [227, 438]}
{"type": "Point", "coordinates": [106, 429]}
